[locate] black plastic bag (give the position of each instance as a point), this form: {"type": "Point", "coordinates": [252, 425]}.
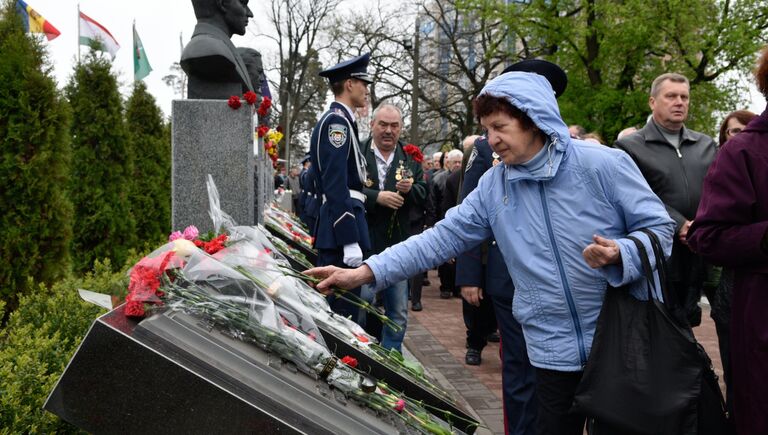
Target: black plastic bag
{"type": "Point", "coordinates": [644, 372]}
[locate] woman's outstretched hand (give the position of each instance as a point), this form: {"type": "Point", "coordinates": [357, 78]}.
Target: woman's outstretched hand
{"type": "Point", "coordinates": [333, 276]}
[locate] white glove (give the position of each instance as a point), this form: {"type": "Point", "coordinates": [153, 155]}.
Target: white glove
{"type": "Point", "coordinates": [353, 255]}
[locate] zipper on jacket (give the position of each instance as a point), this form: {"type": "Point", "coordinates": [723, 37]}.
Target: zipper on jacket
{"type": "Point", "coordinates": [685, 177]}
{"type": "Point", "coordinates": [566, 287]}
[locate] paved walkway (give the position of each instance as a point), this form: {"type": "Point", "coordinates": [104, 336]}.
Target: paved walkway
{"type": "Point", "coordinates": [436, 337]}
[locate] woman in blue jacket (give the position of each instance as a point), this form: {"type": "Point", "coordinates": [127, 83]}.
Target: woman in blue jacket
{"type": "Point", "coordinates": [560, 210]}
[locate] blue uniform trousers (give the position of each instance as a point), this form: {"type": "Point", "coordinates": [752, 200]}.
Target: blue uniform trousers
{"type": "Point", "coordinates": [518, 376]}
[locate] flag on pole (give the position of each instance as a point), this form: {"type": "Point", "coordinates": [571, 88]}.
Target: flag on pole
{"type": "Point", "coordinates": [141, 66]}
{"type": "Point", "coordinates": [34, 22]}
{"type": "Point", "coordinates": [91, 31]}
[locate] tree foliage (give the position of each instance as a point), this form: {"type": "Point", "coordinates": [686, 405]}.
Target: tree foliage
{"type": "Point", "coordinates": [151, 191]}
{"type": "Point", "coordinates": [613, 50]}
{"type": "Point", "coordinates": [103, 170]}
{"type": "Point", "coordinates": [298, 35]}
{"type": "Point", "coordinates": [35, 222]}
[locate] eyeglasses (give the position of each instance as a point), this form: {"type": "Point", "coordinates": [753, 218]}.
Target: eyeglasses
{"type": "Point", "coordinates": [734, 131]}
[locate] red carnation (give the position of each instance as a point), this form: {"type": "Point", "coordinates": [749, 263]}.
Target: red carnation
{"type": "Point", "coordinates": [262, 130]}
{"type": "Point", "coordinates": [350, 361]}
{"type": "Point", "coordinates": [266, 103]}
{"type": "Point", "coordinates": [234, 102]}
{"type": "Point", "coordinates": [134, 309]}
{"type": "Point", "coordinates": [415, 153]}
{"type": "Point", "coordinates": [250, 97]}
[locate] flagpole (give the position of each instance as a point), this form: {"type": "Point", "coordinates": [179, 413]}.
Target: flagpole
{"type": "Point", "coordinates": [78, 33]}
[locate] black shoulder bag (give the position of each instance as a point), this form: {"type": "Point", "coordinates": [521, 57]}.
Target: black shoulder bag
{"type": "Point", "coordinates": [644, 372]}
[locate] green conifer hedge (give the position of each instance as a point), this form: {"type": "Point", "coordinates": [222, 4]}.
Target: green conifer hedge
{"type": "Point", "coordinates": [102, 170]}
{"type": "Point", "coordinates": [35, 212]}
{"type": "Point", "coordinates": [151, 193]}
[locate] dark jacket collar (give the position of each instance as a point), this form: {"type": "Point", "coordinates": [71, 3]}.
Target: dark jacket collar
{"type": "Point", "coordinates": [653, 133]}
{"type": "Point", "coordinates": [370, 158]}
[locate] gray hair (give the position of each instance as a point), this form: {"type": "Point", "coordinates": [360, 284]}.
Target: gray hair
{"type": "Point", "coordinates": [454, 153]}
{"type": "Point", "coordinates": [672, 77]}
{"type": "Point", "coordinates": [388, 106]}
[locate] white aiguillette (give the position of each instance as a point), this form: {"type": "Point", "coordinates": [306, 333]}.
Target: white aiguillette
{"type": "Point", "coordinates": [100, 299]}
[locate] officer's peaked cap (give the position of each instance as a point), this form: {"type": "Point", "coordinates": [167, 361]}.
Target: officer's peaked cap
{"type": "Point", "coordinates": [552, 72]}
{"type": "Point", "coordinates": [356, 68]}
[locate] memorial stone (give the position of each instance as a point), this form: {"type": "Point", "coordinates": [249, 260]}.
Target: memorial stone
{"type": "Point", "coordinates": [211, 138]}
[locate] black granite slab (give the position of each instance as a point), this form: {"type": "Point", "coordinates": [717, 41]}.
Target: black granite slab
{"type": "Point", "coordinates": [400, 382]}
{"type": "Point", "coordinates": [170, 373]}
{"type": "Point", "coordinates": [309, 254]}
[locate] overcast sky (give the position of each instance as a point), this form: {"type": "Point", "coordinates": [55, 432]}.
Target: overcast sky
{"type": "Point", "coordinates": [159, 24]}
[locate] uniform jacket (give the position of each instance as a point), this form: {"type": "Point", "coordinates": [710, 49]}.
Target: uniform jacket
{"type": "Point", "coordinates": [482, 266]}
{"type": "Point", "coordinates": [380, 217]}
{"type": "Point", "coordinates": [340, 167]}
{"type": "Point", "coordinates": [730, 230]}
{"type": "Point", "coordinates": [310, 202]}
{"type": "Point", "coordinates": [542, 216]}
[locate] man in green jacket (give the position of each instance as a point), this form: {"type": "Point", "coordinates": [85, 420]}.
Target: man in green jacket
{"type": "Point", "coordinates": [395, 184]}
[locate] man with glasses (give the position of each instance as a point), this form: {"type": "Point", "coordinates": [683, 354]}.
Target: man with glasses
{"type": "Point", "coordinates": [674, 161]}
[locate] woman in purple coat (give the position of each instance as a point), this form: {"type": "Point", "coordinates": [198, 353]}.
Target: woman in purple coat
{"type": "Point", "coordinates": [731, 229]}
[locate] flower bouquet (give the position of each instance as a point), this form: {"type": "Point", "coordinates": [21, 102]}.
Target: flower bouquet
{"type": "Point", "coordinates": [283, 225]}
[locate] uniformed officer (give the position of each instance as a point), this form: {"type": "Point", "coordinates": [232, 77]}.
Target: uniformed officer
{"type": "Point", "coordinates": [309, 203]}
{"type": "Point", "coordinates": [341, 231]}
{"type": "Point", "coordinates": [478, 280]}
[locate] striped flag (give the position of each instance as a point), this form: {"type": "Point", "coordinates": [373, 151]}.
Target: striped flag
{"type": "Point", "coordinates": [34, 22]}
{"type": "Point", "coordinates": [141, 66]}
{"type": "Point", "coordinates": [91, 31]}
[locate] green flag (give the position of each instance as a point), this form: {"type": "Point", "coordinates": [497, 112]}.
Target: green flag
{"type": "Point", "coordinates": [141, 66]}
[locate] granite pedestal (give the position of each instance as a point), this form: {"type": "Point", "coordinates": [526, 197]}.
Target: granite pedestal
{"type": "Point", "coordinates": [211, 138]}
{"type": "Point", "coordinates": [172, 373]}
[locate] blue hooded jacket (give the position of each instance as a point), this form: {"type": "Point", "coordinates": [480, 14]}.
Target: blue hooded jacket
{"type": "Point", "coordinates": [543, 214]}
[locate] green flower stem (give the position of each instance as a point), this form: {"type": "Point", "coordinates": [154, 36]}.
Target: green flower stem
{"type": "Point", "coordinates": [349, 297]}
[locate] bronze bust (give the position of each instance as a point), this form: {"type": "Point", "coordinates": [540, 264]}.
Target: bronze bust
{"type": "Point", "coordinates": [212, 63]}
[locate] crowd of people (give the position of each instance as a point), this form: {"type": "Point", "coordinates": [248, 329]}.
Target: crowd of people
{"type": "Point", "coordinates": [529, 225]}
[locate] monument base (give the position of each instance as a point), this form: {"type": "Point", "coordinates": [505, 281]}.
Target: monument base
{"type": "Point", "coordinates": [211, 138]}
{"type": "Point", "coordinates": [171, 373]}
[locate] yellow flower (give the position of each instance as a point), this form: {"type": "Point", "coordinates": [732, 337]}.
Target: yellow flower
{"type": "Point", "coordinates": [274, 136]}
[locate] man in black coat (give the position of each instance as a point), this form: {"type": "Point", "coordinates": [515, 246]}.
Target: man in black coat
{"type": "Point", "coordinates": [674, 161]}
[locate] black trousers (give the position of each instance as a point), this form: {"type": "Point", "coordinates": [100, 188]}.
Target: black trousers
{"type": "Point", "coordinates": [480, 321]}
{"type": "Point", "coordinates": [554, 393]}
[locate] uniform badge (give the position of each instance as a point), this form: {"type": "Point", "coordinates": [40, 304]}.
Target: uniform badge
{"type": "Point", "coordinates": [337, 134]}
{"type": "Point", "coordinates": [471, 159]}
{"type": "Point", "coordinates": [495, 159]}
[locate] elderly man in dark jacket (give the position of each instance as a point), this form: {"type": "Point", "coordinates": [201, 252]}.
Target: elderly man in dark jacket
{"type": "Point", "coordinates": [674, 161]}
{"type": "Point", "coordinates": [395, 184]}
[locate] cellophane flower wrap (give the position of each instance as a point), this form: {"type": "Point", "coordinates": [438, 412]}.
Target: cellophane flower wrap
{"type": "Point", "coordinates": [252, 253]}
{"type": "Point", "coordinates": [285, 224]}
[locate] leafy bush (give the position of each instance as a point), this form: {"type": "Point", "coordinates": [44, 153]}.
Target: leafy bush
{"type": "Point", "coordinates": [38, 341]}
